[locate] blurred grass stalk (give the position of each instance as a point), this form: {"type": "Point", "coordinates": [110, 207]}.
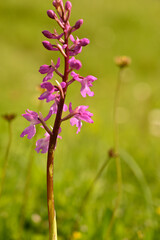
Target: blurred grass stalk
{"type": "Point", "coordinates": [8, 118]}
{"type": "Point", "coordinates": [116, 151]}
{"type": "Point", "coordinates": [121, 62]}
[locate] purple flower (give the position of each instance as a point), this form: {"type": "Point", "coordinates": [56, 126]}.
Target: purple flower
{"type": "Point", "coordinates": [79, 113]}
{"type": "Point", "coordinates": [76, 48]}
{"type": "Point", "coordinates": [86, 83]}
{"type": "Point", "coordinates": [43, 143]}
{"type": "Point", "coordinates": [32, 117]}
{"type": "Point", "coordinates": [75, 64]}
{"type": "Point", "coordinates": [47, 94]}
{"type": "Point", "coordinates": [49, 69]}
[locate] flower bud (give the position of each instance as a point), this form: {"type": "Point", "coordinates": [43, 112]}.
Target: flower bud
{"type": "Point", "coordinates": [68, 6]}
{"type": "Point", "coordinates": [47, 34]}
{"type": "Point", "coordinates": [54, 3]}
{"type": "Point", "coordinates": [122, 61]}
{"type": "Point", "coordinates": [84, 42]}
{"type": "Point", "coordinates": [57, 3]}
{"type": "Point", "coordinates": [63, 84]}
{"type": "Point", "coordinates": [51, 14]}
{"type": "Point", "coordinates": [47, 45]}
{"type": "Point", "coordinates": [75, 64]}
{"type": "Point", "coordinates": [78, 24]}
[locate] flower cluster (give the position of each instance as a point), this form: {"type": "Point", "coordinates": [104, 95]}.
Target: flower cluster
{"type": "Point", "coordinates": [55, 92]}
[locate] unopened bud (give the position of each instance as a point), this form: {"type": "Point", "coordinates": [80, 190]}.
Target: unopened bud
{"type": "Point", "coordinates": [84, 42]}
{"type": "Point", "coordinates": [68, 6]}
{"type": "Point", "coordinates": [54, 3]}
{"type": "Point", "coordinates": [47, 34]}
{"type": "Point", "coordinates": [78, 24]}
{"type": "Point", "coordinates": [75, 64]}
{"type": "Point", "coordinates": [51, 14]}
{"type": "Point", "coordinates": [122, 61]}
{"type": "Point", "coordinates": [63, 84]}
{"type": "Point", "coordinates": [47, 45]}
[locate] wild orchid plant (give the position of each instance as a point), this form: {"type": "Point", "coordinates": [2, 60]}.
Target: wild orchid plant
{"type": "Point", "coordinates": [68, 47]}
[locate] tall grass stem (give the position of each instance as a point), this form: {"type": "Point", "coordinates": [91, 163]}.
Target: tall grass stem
{"type": "Point", "coordinates": [116, 151]}
{"type": "Point", "coordinates": [5, 165]}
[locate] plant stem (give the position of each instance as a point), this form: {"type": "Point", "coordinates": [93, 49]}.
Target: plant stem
{"type": "Point", "coordinates": [116, 151]}
{"type": "Point", "coordinates": [51, 150]}
{"type": "Point", "coordinates": [4, 169]}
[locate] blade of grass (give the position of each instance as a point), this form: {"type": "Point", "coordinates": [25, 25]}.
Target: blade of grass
{"type": "Point", "coordinates": [133, 165]}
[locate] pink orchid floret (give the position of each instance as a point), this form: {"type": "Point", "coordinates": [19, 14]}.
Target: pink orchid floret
{"type": "Point", "coordinates": [79, 114]}
{"type": "Point", "coordinates": [43, 143]}
{"type": "Point", "coordinates": [47, 94]}
{"type": "Point", "coordinates": [86, 83]}
{"type": "Point", "coordinates": [49, 69]}
{"type": "Point", "coordinates": [76, 48]}
{"type": "Point", "coordinates": [32, 117]}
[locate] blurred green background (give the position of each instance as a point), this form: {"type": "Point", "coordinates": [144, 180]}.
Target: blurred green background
{"type": "Point", "coordinates": [114, 28]}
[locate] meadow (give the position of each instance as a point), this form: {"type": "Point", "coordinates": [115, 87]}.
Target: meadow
{"type": "Point", "coordinates": [114, 28]}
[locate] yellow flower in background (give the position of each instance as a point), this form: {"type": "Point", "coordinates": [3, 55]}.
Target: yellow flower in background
{"type": "Point", "coordinates": [77, 235]}
{"type": "Point", "coordinates": [158, 210]}
{"type": "Point", "coordinates": [140, 234]}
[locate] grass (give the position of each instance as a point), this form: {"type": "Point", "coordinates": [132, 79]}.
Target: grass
{"type": "Point", "coordinates": [114, 28]}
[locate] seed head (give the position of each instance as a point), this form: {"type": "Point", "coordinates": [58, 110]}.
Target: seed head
{"type": "Point", "coordinates": [9, 117]}
{"type": "Point", "coordinates": [122, 61]}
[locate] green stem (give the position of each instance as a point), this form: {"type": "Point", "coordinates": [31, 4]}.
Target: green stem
{"type": "Point", "coordinates": [116, 152]}
{"type": "Point", "coordinates": [4, 169]}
